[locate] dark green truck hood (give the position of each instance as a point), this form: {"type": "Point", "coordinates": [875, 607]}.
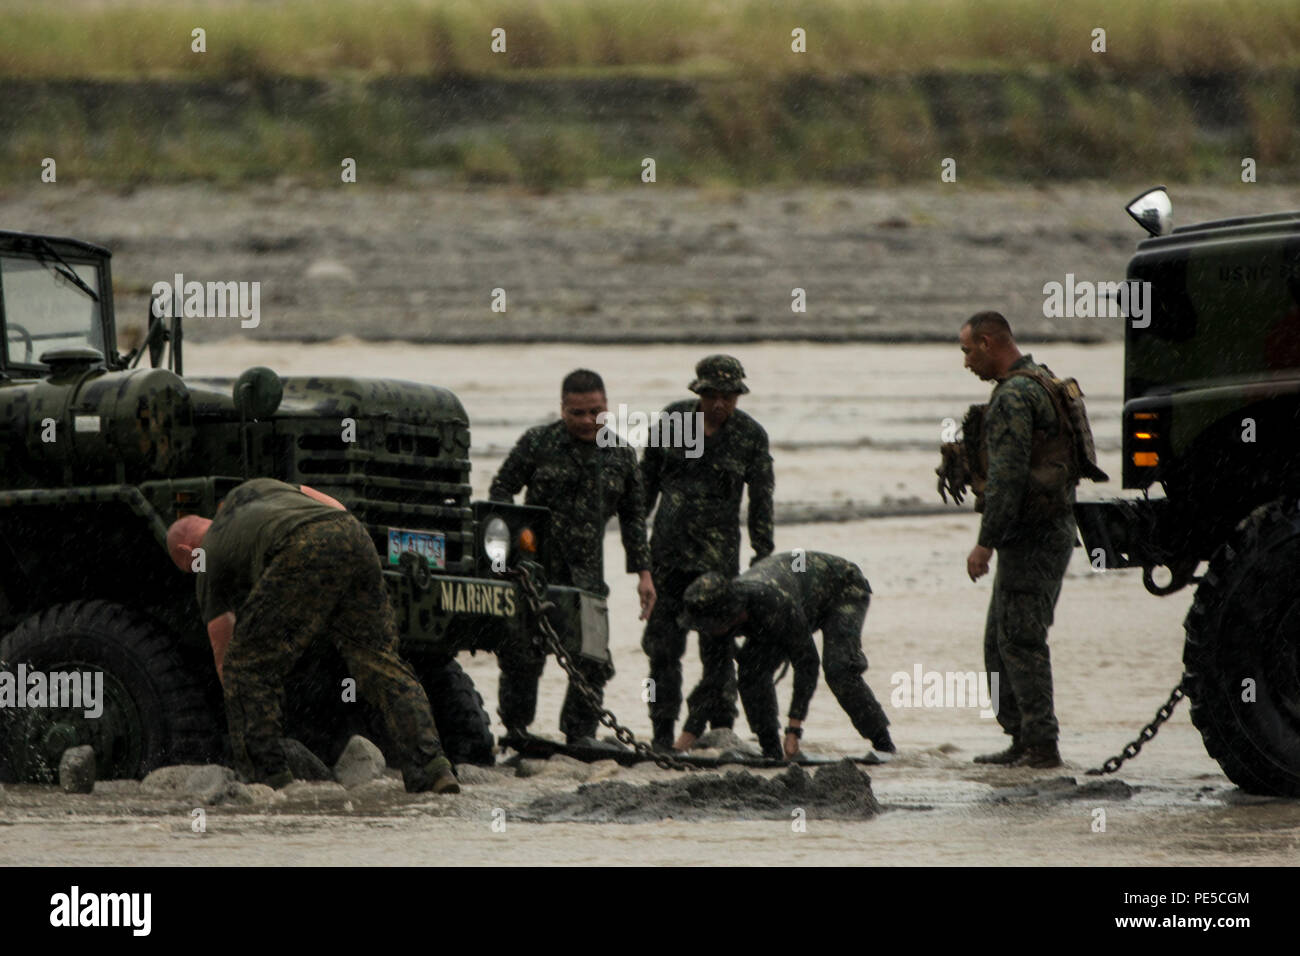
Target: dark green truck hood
{"type": "Point", "coordinates": [321, 396]}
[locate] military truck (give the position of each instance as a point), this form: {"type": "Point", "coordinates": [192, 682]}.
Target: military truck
{"type": "Point", "coordinates": [99, 454]}
{"type": "Point", "coordinates": [1211, 418]}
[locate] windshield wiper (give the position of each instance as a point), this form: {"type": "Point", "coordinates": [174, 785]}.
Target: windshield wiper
{"type": "Point", "coordinates": [40, 242]}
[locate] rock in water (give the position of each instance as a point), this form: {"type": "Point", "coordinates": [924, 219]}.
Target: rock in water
{"type": "Point", "coordinates": [77, 769]}
{"type": "Point", "coordinates": [304, 764]}
{"type": "Point", "coordinates": [169, 779]}
{"type": "Point", "coordinates": [210, 784]}
{"type": "Point", "coordinates": [723, 738]}
{"type": "Point", "coordinates": [360, 761]}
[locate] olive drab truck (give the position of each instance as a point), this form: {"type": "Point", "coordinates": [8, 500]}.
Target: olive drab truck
{"type": "Point", "coordinates": [100, 453]}
{"type": "Point", "coordinates": [1211, 437]}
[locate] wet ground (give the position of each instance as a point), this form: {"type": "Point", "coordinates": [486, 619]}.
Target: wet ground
{"type": "Point", "coordinates": [419, 261]}
{"type": "Point", "coordinates": [853, 429]}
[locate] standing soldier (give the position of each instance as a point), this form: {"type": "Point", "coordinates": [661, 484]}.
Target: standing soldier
{"type": "Point", "coordinates": [1027, 500]}
{"type": "Point", "coordinates": [778, 604]}
{"type": "Point", "coordinates": [283, 566]}
{"type": "Point", "coordinates": [584, 484]}
{"type": "Point", "coordinates": [697, 529]}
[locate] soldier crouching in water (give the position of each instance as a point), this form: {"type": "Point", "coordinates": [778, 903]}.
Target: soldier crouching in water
{"type": "Point", "coordinates": [282, 567]}
{"type": "Point", "coordinates": [777, 605]}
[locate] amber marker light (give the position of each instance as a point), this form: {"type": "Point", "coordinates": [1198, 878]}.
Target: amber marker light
{"type": "Point", "coordinates": [527, 541]}
{"type": "Point", "coordinates": [1146, 459]}
{"type": "Point", "coordinates": [1145, 436]}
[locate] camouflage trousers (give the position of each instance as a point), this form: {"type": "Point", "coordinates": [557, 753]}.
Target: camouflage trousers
{"type": "Point", "coordinates": [713, 701]}
{"type": "Point", "coordinates": [843, 664]}
{"type": "Point", "coordinates": [1026, 584]}
{"type": "Point", "coordinates": [322, 583]}
{"type": "Point", "coordinates": [521, 664]}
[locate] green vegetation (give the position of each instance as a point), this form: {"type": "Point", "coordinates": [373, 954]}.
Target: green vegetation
{"type": "Point", "coordinates": [151, 38]}
{"type": "Point", "coordinates": [710, 88]}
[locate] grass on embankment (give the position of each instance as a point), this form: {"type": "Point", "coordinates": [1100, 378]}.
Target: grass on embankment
{"type": "Point", "coordinates": [152, 38]}
{"type": "Point", "coordinates": [709, 88]}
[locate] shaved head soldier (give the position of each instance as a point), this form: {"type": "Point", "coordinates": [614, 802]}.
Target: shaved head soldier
{"type": "Point", "coordinates": [777, 605]}
{"type": "Point", "coordinates": [284, 566]}
{"type": "Point", "coordinates": [697, 529]}
{"type": "Point", "coordinates": [1030, 523]}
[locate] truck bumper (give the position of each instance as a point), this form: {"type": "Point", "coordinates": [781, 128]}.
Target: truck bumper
{"type": "Point", "coordinates": [445, 614]}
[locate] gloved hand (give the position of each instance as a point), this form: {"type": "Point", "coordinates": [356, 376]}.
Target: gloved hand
{"type": "Point", "coordinates": [953, 471]}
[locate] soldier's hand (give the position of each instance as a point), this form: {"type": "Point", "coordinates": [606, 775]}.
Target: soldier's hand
{"type": "Point", "coordinates": [645, 590]}
{"type": "Point", "coordinates": [791, 746]}
{"type": "Point", "coordinates": [977, 562]}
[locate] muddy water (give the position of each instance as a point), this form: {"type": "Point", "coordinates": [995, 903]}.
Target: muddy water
{"type": "Point", "coordinates": [851, 426]}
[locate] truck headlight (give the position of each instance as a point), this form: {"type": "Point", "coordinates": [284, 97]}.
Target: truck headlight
{"type": "Point", "coordinates": [496, 541]}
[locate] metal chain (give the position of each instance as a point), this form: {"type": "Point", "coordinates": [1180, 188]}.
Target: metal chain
{"type": "Point", "coordinates": [1150, 730]}
{"type": "Point", "coordinates": [551, 642]}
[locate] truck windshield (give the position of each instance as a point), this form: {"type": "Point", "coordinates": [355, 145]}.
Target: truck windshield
{"type": "Point", "coordinates": [45, 310]}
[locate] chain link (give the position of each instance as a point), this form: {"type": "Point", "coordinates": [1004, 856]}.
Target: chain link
{"type": "Point", "coordinates": [1149, 731]}
{"type": "Point", "coordinates": [551, 642]}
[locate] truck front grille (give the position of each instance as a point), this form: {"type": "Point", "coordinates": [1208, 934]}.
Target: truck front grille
{"type": "Point", "coordinates": [405, 480]}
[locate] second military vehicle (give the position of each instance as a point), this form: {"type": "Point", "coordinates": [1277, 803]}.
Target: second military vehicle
{"type": "Point", "coordinates": [1212, 419]}
{"type": "Point", "coordinates": [99, 455]}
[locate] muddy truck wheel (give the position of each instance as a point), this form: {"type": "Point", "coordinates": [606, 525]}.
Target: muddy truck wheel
{"type": "Point", "coordinates": [463, 723]}
{"type": "Point", "coordinates": [154, 711]}
{"type": "Point", "coordinates": [1242, 655]}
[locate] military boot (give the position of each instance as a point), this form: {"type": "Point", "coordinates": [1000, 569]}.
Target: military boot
{"type": "Point", "coordinates": [663, 736]}
{"type": "Point", "coordinates": [883, 743]}
{"type": "Point", "coordinates": [1004, 757]}
{"type": "Point", "coordinates": [437, 775]}
{"type": "Point", "coordinates": [1040, 756]}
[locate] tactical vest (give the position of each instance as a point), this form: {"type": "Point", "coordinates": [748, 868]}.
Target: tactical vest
{"type": "Point", "coordinates": [1057, 461]}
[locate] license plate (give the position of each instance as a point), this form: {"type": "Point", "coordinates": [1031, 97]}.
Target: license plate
{"type": "Point", "coordinates": [431, 545]}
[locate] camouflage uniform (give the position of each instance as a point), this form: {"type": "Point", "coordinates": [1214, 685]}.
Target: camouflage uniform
{"type": "Point", "coordinates": [697, 529]}
{"type": "Point", "coordinates": [784, 607]}
{"type": "Point", "coordinates": [1032, 555]}
{"type": "Point", "coordinates": [584, 485]}
{"type": "Point", "coordinates": [322, 580]}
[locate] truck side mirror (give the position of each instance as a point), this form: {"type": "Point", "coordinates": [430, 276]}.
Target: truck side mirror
{"type": "Point", "coordinates": [1153, 211]}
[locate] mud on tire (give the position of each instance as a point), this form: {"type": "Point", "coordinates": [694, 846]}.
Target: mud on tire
{"type": "Point", "coordinates": [1244, 624]}
{"type": "Point", "coordinates": [154, 710]}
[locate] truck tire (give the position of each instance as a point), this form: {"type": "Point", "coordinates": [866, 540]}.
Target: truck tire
{"type": "Point", "coordinates": [154, 710]}
{"type": "Point", "coordinates": [463, 724]}
{"type": "Point", "coordinates": [1242, 654]}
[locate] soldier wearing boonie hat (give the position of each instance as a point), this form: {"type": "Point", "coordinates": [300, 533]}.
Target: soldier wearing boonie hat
{"type": "Point", "coordinates": [697, 530]}
{"type": "Point", "coordinates": [719, 373]}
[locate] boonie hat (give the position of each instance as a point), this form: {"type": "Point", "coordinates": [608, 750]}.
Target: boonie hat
{"type": "Point", "coordinates": [708, 600]}
{"type": "Point", "coordinates": [720, 373]}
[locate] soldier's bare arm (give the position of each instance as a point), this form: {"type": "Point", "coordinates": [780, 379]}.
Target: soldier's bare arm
{"type": "Point", "coordinates": [220, 630]}
{"type": "Point", "coordinates": [321, 497]}
{"type": "Point", "coordinates": [762, 484]}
